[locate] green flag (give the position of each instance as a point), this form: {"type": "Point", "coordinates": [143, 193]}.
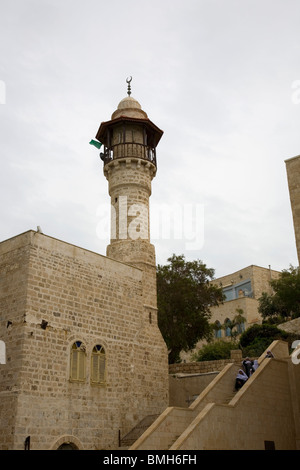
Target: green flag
{"type": "Point", "coordinates": [95, 143]}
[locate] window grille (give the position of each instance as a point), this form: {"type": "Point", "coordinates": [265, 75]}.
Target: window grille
{"type": "Point", "coordinates": [78, 362]}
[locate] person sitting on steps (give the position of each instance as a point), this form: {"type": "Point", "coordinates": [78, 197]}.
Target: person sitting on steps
{"type": "Point", "coordinates": [240, 380]}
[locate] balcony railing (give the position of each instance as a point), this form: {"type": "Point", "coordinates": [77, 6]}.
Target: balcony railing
{"type": "Point", "coordinates": [129, 149]}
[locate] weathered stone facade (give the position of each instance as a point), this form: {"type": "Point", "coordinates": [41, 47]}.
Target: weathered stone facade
{"type": "Point", "coordinates": [83, 297]}
{"type": "Point", "coordinates": [85, 359]}
{"type": "Point", "coordinates": [243, 289]}
{"type": "Point", "coordinates": [293, 175]}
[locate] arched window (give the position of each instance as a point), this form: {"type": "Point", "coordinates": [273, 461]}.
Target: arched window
{"type": "Point", "coordinates": [98, 365]}
{"type": "Point", "coordinates": [240, 327]}
{"type": "Point", "coordinates": [228, 327]}
{"type": "Point", "coordinates": [217, 329]}
{"type": "Point", "coordinates": [78, 362]}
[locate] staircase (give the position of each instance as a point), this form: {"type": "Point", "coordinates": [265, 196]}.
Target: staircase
{"type": "Point", "coordinates": [219, 404]}
{"type": "Point", "coordinates": [166, 433]}
{"type": "Point", "coordinates": [137, 431]}
{"type": "Point", "coordinates": [228, 398]}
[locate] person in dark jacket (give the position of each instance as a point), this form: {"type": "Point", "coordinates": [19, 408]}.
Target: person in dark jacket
{"type": "Point", "coordinates": [247, 364]}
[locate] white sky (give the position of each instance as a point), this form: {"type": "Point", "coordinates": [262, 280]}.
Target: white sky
{"type": "Point", "coordinates": [221, 78]}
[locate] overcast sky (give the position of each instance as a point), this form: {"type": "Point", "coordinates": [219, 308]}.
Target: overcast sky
{"type": "Point", "coordinates": [221, 78]}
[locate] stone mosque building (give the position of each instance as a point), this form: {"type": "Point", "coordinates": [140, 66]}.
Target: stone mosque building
{"type": "Point", "coordinates": [85, 359]}
{"type": "Point", "coordinates": [85, 364]}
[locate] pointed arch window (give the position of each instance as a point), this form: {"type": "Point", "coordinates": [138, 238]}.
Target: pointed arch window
{"type": "Point", "coordinates": [78, 362]}
{"type": "Point", "coordinates": [228, 327]}
{"type": "Point", "coordinates": [217, 329]}
{"type": "Point", "coordinates": [240, 327]}
{"type": "Point", "coordinates": [98, 365]}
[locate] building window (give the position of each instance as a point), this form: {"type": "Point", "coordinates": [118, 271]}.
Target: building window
{"type": "Point", "coordinates": [235, 291]}
{"type": "Point", "coordinates": [98, 365]}
{"type": "Point", "coordinates": [228, 327]}
{"type": "Point", "coordinates": [240, 328]}
{"type": "Point", "coordinates": [78, 362]}
{"type": "Point", "coordinates": [217, 329]}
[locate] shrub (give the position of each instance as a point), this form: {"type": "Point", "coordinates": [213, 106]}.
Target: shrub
{"type": "Point", "coordinates": [269, 332]}
{"type": "Point", "coordinates": [256, 348]}
{"type": "Point", "coordinates": [214, 351]}
{"type": "Point", "coordinates": [256, 339]}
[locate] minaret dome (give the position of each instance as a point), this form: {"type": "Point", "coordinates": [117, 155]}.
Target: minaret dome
{"type": "Point", "coordinates": [129, 107]}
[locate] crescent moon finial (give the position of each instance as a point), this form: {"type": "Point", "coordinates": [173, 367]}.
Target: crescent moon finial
{"type": "Point", "coordinates": [128, 81]}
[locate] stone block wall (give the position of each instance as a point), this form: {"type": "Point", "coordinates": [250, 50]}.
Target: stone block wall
{"type": "Point", "coordinates": [13, 295]}
{"type": "Point", "coordinates": [55, 294]}
{"type": "Point", "coordinates": [228, 310]}
{"type": "Point", "coordinates": [201, 367]}
{"type": "Point", "coordinates": [130, 188]}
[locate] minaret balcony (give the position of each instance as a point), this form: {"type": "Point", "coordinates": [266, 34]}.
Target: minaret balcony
{"type": "Point", "coordinates": [129, 150]}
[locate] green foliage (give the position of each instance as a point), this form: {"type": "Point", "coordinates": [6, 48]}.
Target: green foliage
{"type": "Point", "coordinates": [257, 347]}
{"type": "Point", "coordinates": [184, 298]}
{"type": "Point", "coordinates": [271, 332]}
{"type": "Point", "coordinates": [216, 350]}
{"type": "Point", "coordinates": [256, 339]}
{"type": "Point", "coordinates": [285, 301]}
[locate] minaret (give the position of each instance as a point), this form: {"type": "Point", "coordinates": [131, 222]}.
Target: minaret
{"type": "Point", "coordinates": [129, 158]}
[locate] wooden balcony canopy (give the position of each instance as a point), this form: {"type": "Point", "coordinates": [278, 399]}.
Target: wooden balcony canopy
{"type": "Point", "coordinates": [154, 134]}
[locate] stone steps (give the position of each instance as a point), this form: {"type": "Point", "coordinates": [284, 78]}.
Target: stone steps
{"type": "Point", "coordinates": [137, 431]}
{"type": "Point", "coordinates": [229, 397]}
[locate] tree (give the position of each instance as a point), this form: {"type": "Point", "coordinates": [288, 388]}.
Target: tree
{"type": "Point", "coordinates": [256, 339]}
{"type": "Point", "coordinates": [285, 301]}
{"type": "Point", "coordinates": [184, 296]}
